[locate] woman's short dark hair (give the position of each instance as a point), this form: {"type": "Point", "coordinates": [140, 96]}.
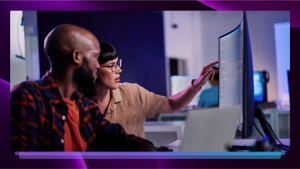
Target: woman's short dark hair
{"type": "Point", "coordinates": [108, 52]}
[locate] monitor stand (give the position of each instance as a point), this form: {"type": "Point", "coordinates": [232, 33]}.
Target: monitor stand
{"type": "Point", "coordinates": [258, 113]}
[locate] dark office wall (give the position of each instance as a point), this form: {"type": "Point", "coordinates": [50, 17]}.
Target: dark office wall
{"type": "Point", "coordinates": [137, 37]}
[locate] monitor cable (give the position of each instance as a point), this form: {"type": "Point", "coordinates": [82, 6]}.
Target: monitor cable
{"type": "Point", "coordinates": [281, 146]}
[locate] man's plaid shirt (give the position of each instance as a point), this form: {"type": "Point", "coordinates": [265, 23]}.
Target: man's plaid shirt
{"type": "Point", "coordinates": [36, 121]}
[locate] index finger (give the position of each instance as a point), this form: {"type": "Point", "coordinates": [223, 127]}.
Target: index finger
{"type": "Point", "coordinates": [211, 65]}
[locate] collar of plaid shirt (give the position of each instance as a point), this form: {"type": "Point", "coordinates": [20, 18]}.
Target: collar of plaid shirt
{"type": "Point", "coordinates": [46, 132]}
{"type": "Point", "coordinates": [84, 108]}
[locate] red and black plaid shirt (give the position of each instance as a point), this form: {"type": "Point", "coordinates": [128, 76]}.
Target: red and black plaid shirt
{"type": "Point", "coordinates": [36, 121]}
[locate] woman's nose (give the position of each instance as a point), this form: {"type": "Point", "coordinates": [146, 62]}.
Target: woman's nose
{"type": "Point", "coordinates": [119, 70]}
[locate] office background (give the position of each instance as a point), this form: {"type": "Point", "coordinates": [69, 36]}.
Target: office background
{"type": "Point", "coordinates": [146, 40]}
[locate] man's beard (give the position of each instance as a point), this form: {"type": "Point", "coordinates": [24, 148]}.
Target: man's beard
{"type": "Point", "coordinates": [84, 76]}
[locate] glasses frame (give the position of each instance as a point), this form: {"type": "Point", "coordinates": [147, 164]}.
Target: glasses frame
{"type": "Point", "coordinates": [118, 64]}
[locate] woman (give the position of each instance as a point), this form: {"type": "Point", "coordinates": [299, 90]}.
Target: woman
{"type": "Point", "coordinates": [130, 104]}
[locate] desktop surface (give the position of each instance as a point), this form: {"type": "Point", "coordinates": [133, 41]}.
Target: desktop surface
{"type": "Point", "coordinates": [175, 146]}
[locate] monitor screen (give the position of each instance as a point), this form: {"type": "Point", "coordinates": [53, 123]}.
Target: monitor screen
{"type": "Point", "coordinates": [180, 82]}
{"type": "Point", "coordinates": [231, 69]}
{"type": "Point", "coordinates": [236, 74]}
{"type": "Point", "coordinates": [258, 86]}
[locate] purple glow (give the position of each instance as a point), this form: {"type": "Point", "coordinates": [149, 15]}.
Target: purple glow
{"type": "Point", "coordinates": [5, 82]}
{"type": "Point", "coordinates": [8, 158]}
{"type": "Point", "coordinates": [50, 5]}
{"type": "Point", "coordinates": [292, 6]}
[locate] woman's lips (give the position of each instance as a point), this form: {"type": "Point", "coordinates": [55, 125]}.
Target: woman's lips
{"type": "Point", "coordinates": [117, 80]}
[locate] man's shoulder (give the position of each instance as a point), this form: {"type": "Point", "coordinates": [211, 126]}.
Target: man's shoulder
{"type": "Point", "coordinates": [209, 91]}
{"type": "Point", "coordinates": [85, 101]}
{"type": "Point", "coordinates": [213, 89]}
{"type": "Point", "coordinates": [205, 92]}
{"type": "Point", "coordinates": [29, 86]}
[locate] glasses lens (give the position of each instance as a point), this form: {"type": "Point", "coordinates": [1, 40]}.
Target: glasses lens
{"type": "Point", "coordinates": [114, 68]}
{"type": "Point", "coordinates": [119, 63]}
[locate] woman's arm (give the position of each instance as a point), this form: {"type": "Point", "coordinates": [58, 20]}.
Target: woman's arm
{"type": "Point", "coordinates": [183, 98]}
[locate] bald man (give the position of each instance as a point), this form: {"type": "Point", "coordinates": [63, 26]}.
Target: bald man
{"type": "Point", "coordinates": [49, 115]}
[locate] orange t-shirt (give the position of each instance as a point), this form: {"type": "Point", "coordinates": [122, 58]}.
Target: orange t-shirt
{"type": "Point", "coordinates": [73, 140]}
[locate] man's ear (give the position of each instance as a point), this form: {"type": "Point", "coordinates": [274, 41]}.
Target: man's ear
{"type": "Point", "coordinates": [77, 57]}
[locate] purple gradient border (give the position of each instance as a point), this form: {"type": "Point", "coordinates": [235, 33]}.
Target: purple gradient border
{"type": "Point", "coordinates": [150, 155]}
{"type": "Point", "coordinates": [10, 160]}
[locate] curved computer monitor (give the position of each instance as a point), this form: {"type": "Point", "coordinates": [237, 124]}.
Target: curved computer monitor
{"type": "Point", "coordinates": [236, 74]}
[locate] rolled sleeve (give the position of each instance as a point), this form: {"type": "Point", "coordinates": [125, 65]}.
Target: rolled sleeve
{"type": "Point", "coordinates": [152, 103]}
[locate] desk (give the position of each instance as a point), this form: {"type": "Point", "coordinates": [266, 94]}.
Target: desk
{"type": "Point", "coordinates": [163, 133]}
{"type": "Point", "coordinates": [175, 146]}
{"type": "Point", "coordinates": [279, 119]}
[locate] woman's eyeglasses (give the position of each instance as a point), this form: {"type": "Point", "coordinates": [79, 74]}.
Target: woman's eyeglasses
{"type": "Point", "coordinates": [114, 67]}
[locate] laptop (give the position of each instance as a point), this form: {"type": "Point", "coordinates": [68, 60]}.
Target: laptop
{"type": "Point", "coordinates": [209, 130]}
